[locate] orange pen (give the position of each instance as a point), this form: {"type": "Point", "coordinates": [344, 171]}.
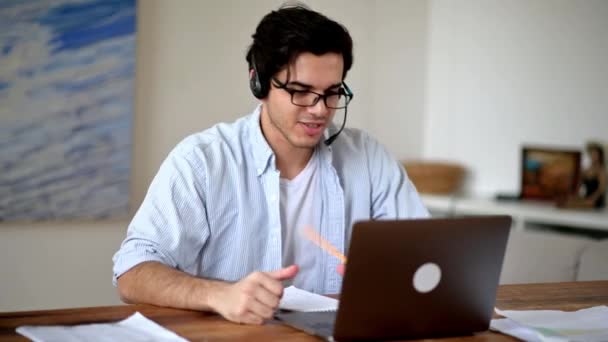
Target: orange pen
{"type": "Point", "coordinates": [311, 234]}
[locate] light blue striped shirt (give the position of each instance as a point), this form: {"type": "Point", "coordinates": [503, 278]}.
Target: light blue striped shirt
{"type": "Point", "coordinates": [213, 209]}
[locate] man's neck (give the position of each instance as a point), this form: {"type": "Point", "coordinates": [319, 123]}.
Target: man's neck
{"type": "Point", "coordinates": [290, 160]}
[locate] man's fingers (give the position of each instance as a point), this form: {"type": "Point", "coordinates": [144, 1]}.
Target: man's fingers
{"type": "Point", "coordinates": [266, 282]}
{"type": "Point", "coordinates": [268, 298]}
{"type": "Point", "coordinates": [272, 280]}
{"type": "Point", "coordinates": [261, 310]}
{"type": "Point", "coordinates": [284, 273]}
{"type": "Point", "coordinates": [341, 269]}
{"type": "Point", "coordinates": [258, 295]}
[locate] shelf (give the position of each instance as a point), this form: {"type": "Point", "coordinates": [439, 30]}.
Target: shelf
{"type": "Point", "coordinates": [522, 211]}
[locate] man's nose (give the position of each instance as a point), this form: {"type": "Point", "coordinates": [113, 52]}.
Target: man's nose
{"type": "Point", "coordinates": [319, 109]}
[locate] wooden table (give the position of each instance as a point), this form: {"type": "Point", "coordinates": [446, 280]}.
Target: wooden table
{"type": "Point", "coordinates": [198, 326]}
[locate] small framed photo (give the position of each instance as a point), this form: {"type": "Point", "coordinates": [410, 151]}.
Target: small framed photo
{"type": "Point", "coordinates": [549, 173]}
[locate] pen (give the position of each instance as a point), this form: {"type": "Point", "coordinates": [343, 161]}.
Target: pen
{"type": "Point", "coordinates": [312, 235]}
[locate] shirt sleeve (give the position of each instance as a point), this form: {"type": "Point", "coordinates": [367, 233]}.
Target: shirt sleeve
{"type": "Point", "coordinates": [394, 196]}
{"type": "Point", "coordinates": [171, 225]}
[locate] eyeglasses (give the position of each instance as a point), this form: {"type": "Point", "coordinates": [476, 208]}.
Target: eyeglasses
{"type": "Point", "coordinates": [305, 98]}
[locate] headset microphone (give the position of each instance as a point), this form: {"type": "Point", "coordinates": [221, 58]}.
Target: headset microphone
{"type": "Point", "coordinates": [331, 139]}
{"type": "Point", "coordinates": [349, 96]}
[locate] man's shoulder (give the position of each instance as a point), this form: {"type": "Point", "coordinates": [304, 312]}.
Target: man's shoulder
{"type": "Point", "coordinates": [355, 146]}
{"type": "Point", "coordinates": [214, 140]}
{"type": "Point", "coordinates": [355, 138]}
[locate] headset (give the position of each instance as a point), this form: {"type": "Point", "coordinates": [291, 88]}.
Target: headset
{"type": "Point", "coordinates": [259, 89]}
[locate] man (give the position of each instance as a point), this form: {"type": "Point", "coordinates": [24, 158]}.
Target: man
{"type": "Point", "coordinates": [219, 229]}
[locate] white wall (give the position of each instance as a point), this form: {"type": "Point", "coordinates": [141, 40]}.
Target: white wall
{"type": "Point", "coordinates": [398, 71]}
{"type": "Point", "coordinates": [504, 73]}
{"type": "Point", "coordinates": [191, 73]}
{"type": "Point", "coordinates": [55, 265]}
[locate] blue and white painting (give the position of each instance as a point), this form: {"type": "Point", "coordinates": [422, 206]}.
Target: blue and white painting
{"type": "Point", "coordinates": [66, 106]}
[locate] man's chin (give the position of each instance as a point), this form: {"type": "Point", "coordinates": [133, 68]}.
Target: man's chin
{"type": "Point", "coordinates": [307, 143]}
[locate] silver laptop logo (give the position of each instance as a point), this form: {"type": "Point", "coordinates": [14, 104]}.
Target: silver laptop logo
{"type": "Point", "coordinates": [427, 277]}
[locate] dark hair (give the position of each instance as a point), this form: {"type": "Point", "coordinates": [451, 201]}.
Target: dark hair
{"type": "Point", "coordinates": [285, 33]}
{"type": "Point", "coordinates": [594, 146]}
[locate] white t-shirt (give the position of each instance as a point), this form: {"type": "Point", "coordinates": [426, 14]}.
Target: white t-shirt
{"type": "Point", "coordinates": [300, 207]}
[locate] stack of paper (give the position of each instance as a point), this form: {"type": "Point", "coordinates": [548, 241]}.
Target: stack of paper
{"type": "Point", "coordinates": [589, 325]}
{"type": "Point", "coordinates": [136, 328]}
{"type": "Point", "coordinates": [296, 299]}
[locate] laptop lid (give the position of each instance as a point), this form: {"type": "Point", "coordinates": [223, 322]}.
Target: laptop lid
{"type": "Point", "coordinates": [421, 278]}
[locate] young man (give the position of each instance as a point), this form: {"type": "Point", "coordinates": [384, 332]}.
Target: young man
{"type": "Point", "coordinates": [220, 227]}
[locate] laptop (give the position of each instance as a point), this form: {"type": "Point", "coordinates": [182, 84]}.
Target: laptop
{"type": "Point", "coordinates": [412, 279]}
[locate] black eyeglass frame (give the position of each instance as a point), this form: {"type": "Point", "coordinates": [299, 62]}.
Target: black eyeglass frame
{"type": "Point", "coordinates": [344, 90]}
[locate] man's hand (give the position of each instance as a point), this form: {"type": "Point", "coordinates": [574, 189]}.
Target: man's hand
{"type": "Point", "coordinates": [253, 299]}
{"type": "Point", "coordinates": [341, 269]}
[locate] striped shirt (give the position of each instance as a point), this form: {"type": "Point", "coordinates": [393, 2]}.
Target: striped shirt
{"type": "Point", "coordinates": [213, 209]}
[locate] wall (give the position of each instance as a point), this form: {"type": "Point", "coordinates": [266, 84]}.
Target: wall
{"type": "Point", "coordinates": [54, 265]}
{"type": "Point", "coordinates": [504, 73]}
{"type": "Point", "coordinates": [191, 73]}
{"type": "Point", "coordinates": [398, 71]}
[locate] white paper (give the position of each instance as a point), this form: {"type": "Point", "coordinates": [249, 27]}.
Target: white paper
{"type": "Point", "coordinates": [136, 328]}
{"type": "Point", "coordinates": [510, 327]}
{"type": "Point", "coordinates": [296, 299]}
{"type": "Point", "coordinates": [589, 324]}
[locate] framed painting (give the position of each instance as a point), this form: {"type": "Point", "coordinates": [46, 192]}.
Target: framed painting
{"type": "Point", "coordinates": [66, 106]}
{"type": "Point", "coordinates": [549, 173]}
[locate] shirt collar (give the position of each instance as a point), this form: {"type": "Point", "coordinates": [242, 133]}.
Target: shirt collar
{"type": "Point", "coordinates": [262, 153]}
{"type": "Point", "coordinates": [326, 151]}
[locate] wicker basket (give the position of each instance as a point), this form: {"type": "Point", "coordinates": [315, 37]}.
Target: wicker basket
{"type": "Point", "coordinates": [435, 177]}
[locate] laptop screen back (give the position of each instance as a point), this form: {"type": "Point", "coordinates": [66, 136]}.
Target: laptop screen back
{"type": "Point", "coordinates": [421, 278]}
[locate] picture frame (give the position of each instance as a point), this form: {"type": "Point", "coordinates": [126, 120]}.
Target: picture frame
{"type": "Point", "coordinates": [549, 173]}
{"type": "Point", "coordinates": [67, 82]}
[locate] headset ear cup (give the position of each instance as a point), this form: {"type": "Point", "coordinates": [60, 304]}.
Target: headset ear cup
{"type": "Point", "coordinates": [256, 85]}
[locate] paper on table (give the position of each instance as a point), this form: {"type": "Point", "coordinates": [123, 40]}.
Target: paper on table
{"type": "Point", "coordinates": [589, 324]}
{"type": "Point", "coordinates": [300, 300]}
{"type": "Point", "coordinates": [136, 328]}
